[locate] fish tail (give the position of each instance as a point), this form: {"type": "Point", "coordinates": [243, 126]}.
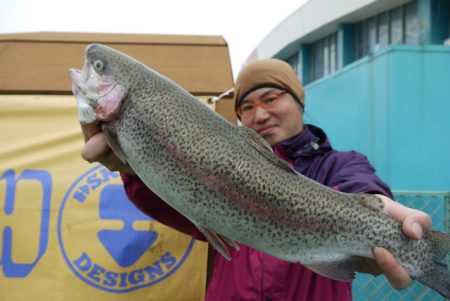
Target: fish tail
{"type": "Point", "coordinates": [440, 242]}
{"type": "Point", "coordinates": [438, 277]}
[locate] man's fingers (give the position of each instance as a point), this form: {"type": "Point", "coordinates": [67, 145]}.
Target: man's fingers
{"type": "Point", "coordinates": [90, 129]}
{"type": "Point", "coordinates": [414, 222]}
{"type": "Point", "coordinates": [394, 272]}
{"type": "Point", "coordinates": [95, 148]}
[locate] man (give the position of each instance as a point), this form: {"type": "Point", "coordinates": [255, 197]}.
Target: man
{"type": "Point", "coordinates": [270, 100]}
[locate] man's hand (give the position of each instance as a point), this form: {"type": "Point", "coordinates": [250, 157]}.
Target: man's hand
{"type": "Point", "coordinates": [414, 224]}
{"type": "Point", "coordinates": [97, 150]}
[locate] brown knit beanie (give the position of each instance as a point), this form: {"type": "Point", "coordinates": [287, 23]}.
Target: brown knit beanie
{"type": "Point", "coordinates": [268, 73]}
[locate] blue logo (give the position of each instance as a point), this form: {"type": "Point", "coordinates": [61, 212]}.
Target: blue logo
{"type": "Point", "coordinates": [108, 243]}
{"type": "Point", "coordinates": [127, 245]}
{"type": "Point", "coordinates": [28, 177]}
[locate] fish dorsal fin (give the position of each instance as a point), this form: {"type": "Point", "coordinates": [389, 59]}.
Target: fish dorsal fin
{"type": "Point", "coordinates": [113, 142]}
{"type": "Point", "coordinates": [218, 241]}
{"type": "Point", "coordinates": [261, 145]}
{"type": "Point", "coordinates": [371, 201]}
{"type": "Point", "coordinates": [255, 137]}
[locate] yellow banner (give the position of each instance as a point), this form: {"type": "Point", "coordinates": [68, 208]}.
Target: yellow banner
{"type": "Point", "coordinates": [67, 230]}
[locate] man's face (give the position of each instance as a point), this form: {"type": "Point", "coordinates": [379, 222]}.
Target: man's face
{"type": "Point", "coordinates": [276, 123]}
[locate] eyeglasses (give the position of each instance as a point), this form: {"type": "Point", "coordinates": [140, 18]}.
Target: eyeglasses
{"type": "Point", "coordinates": [268, 101]}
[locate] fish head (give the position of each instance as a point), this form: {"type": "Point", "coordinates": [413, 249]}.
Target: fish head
{"type": "Point", "coordinates": [102, 85]}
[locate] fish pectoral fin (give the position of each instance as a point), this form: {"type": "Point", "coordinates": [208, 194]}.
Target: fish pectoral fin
{"type": "Point", "coordinates": [113, 142]}
{"type": "Point", "coordinates": [340, 269]}
{"type": "Point", "coordinates": [229, 242]}
{"type": "Point", "coordinates": [218, 241]}
{"type": "Point", "coordinates": [261, 145]}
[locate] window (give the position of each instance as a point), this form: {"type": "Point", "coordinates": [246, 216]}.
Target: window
{"type": "Point", "coordinates": [317, 53]}
{"type": "Point", "coordinates": [372, 34]}
{"type": "Point", "coordinates": [383, 29]}
{"type": "Point", "coordinates": [324, 56]}
{"type": "Point", "coordinates": [396, 26]}
{"type": "Point", "coordinates": [361, 40]}
{"type": "Point", "coordinates": [293, 61]}
{"type": "Point", "coordinates": [411, 24]}
{"type": "Point", "coordinates": [333, 53]}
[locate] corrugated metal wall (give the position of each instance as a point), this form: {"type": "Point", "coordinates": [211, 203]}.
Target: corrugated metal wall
{"type": "Point", "coordinates": [394, 107]}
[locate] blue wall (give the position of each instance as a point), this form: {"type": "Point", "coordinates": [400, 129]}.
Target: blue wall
{"type": "Point", "coordinates": [393, 106]}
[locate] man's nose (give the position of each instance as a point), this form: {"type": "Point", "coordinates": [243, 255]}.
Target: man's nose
{"type": "Point", "coordinates": [261, 115]}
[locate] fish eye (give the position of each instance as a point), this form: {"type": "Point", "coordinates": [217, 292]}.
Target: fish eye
{"type": "Point", "coordinates": [98, 65]}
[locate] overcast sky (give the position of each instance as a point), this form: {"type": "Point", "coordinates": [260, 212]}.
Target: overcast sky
{"type": "Point", "coordinates": [243, 23]}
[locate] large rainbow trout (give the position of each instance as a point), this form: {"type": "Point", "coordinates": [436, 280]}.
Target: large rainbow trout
{"type": "Point", "coordinates": [227, 181]}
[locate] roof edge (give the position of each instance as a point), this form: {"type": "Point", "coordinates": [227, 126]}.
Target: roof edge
{"type": "Point", "coordinates": [113, 38]}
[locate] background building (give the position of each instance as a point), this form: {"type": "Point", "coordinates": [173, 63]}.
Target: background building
{"type": "Point", "coordinates": [377, 79]}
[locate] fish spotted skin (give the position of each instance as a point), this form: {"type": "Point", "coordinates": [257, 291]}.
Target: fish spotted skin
{"type": "Point", "coordinates": [227, 182]}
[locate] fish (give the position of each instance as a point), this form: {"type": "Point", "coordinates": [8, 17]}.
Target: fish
{"type": "Point", "coordinates": [228, 182]}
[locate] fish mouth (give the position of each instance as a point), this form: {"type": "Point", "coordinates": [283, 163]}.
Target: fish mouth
{"type": "Point", "coordinates": [98, 95]}
{"type": "Point", "coordinates": [90, 84]}
{"type": "Point", "coordinates": [80, 77]}
{"type": "Point", "coordinates": [76, 76]}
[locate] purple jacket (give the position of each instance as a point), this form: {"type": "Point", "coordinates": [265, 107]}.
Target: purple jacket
{"type": "Point", "coordinates": [252, 274]}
